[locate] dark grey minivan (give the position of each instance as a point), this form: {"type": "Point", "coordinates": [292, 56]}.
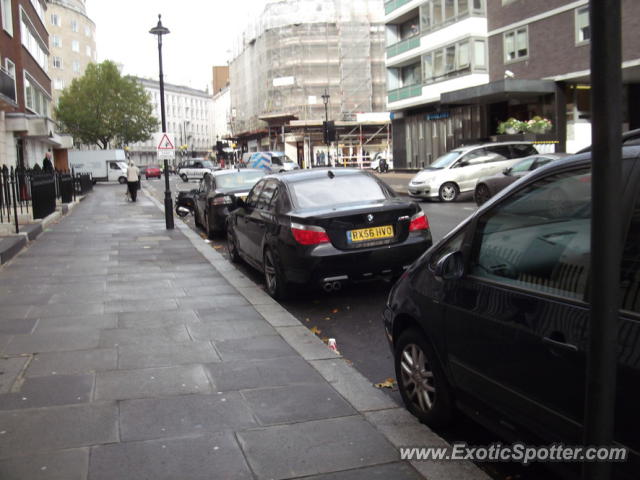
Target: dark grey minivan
{"type": "Point", "coordinates": [493, 320]}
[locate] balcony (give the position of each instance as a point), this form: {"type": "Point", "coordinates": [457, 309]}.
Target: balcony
{"type": "Point", "coordinates": [392, 5]}
{"type": "Point", "coordinates": [405, 92]}
{"type": "Point", "coordinates": [403, 46]}
{"type": "Point", "coordinates": [7, 86]}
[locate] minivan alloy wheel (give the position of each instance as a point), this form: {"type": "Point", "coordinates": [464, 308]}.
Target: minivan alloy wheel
{"type": "Point", "coordinates": [417, 377]}
{"type": "Point", "coordinates": [448, 192]}
{"type": "Point", "coordinates": [482, 194]}
{"type": "Point", "coordinates": [422, 382]}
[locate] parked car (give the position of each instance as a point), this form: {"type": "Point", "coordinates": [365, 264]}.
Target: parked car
{"type": "Point", "coordinates": [271, 162]}
{"type": "Point", "coordinates": [380, 156]}
{"type": "Point", "coordinates": [194, 168]}
{"type": "Point", "coordinates": [152, 171]}
{"type": "Point", "coordinates": [487, 187]}
{"type": "Point", "coordinates": [325, 227]}
{"type": "Point", "coordinates": [494, 319]}
{"type": "Point", "coordinates": [632, 137]}
{"type": "Point", "coordinates": [213, 197]}
{"type": "Point", "coordinates": [458, 171]}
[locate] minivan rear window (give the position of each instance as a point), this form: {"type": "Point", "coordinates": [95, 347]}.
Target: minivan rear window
{"type": "Point", "coordinates": [336, 191]}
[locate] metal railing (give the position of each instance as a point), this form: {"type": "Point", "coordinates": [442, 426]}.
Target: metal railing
{"type": "Point", "coordinates": [405, 92]}
{"type": "Point", "coordinates": [392, 5]}
{"type": "Point", "coordinates": [403, 46]}
{"type": "Point", "coordinates": [35, 193]}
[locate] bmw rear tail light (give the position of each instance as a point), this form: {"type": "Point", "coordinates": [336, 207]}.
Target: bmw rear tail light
{"type": "Point", "coordinates": [222, 200]}
{"type": "Point", "coordinates": [419, 222]}
{"type": "Point", "coordinates": [309, 234]}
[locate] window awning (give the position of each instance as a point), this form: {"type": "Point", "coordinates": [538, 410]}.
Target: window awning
{"type": "Point", "coordinates": [499, 91]}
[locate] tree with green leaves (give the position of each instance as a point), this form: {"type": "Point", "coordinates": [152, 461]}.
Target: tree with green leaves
{"type": "Point", "coordinates": [106, 109]}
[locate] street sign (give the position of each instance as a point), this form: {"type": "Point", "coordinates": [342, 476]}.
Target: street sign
{"type": "Point", "coordinates": [165, 146]}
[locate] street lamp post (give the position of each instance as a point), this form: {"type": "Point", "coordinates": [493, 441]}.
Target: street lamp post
{"type": "Point", "coordinates": [160, 30]}
{"type": "Point", "coordinates": [325, 99]}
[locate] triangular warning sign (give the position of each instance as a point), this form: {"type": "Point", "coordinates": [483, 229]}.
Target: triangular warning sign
{"type": "Point", "coordinates": [165, 143]}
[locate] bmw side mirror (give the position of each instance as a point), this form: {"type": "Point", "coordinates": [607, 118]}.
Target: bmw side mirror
{"type": "Point", "coordinates": [507, 171]}
{"type": "Point", "coordinates": [450, 267]}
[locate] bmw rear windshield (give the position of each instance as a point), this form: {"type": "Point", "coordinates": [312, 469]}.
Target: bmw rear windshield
{"type": "Point", "coordinates": [340, 190]}
{"type": "Point", "coordinates": [246, 179]}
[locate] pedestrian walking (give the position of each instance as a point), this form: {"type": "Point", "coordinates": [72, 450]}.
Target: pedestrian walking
{"type": "Point", "coordinates": [47, 166]}
{"type": "Point", "coordinates": [133, 177]}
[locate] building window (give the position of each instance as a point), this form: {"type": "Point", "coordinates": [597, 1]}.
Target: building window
{"type": "Point", "coordinates": [76, 67]}
{"type": "Point", "coordinates": [56, 41]}
{"type": "Point", "coordinates": [75, 45]}
{"type": "Point", "coordinates": [37, 6]}
{"type": "Point", "coordinates": [436, 14]}
{"type": "Point", "coordinates": [58, 83]}
{"type": "Point", "coordinates": [57, 62]}
{"type": "Point", "coordinates": [583, 32]}
{"type": "Point", "coordinates": [36, 99]}
{"type": "Point", "coordinates": [454, 60]}
{"type": "Point", "coordinates": [33, 43]}
{"type": "Point", "coordinates": [87, 31]}
{"type": "Point", "coordinates": [88, 50]}
{"type": "Point", "coordinates": [55, 19]}
{"type": "Point", "coordinates": [410, 75]}
{"type": "Point", "coordinates": [74, 26]}
{"type": "Point", "coordinates": [7, 16]}
{"type": "Point", "coordinates": [409, 29]}
{"type": "Point", "coordinates": [516, 45]}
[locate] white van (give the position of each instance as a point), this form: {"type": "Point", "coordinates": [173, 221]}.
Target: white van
{"type": "Point", "coordinates": [458, 171]}
{"type": "Point", "coordinates": [103, 165]}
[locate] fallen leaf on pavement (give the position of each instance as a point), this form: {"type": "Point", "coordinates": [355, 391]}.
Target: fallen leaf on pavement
{"type": "Point", "coordinates": [316, 330]}
{"type": "Point", "coordinates": [217, 247]}
{"type": "Point", "coordinates": [335, 310]}
{"type": "Point", "coordinates": [327, 318]}
{"type": "Point", "coordinates": [325, 339]}
{"type": "Point", "coordinates": [307, 320]}
{"type": "Point", "coordinates": [388, 383]}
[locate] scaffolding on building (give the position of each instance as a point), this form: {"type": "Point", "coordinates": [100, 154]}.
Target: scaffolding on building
{"type": "Point", "coordinates": [294, 53]}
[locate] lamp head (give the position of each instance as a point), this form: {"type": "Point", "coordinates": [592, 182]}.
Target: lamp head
{"type": "Point", "coordinates": [159, 29]}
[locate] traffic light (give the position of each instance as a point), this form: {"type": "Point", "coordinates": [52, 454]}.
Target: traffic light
{"type": "Point", "coordinates": [329, 131]}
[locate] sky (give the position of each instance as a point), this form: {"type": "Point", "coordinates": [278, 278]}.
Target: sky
{"type": "Point", "coordinates": [202, 35]}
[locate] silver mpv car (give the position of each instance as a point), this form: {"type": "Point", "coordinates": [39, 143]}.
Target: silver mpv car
{"type": "Point", "coordinates": [458, 171]}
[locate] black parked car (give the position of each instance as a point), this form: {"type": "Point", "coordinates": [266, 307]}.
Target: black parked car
{"type": "Point", "coordinates": [325, 227]}
{"type": "Point", "coordinates": [213, 197]}
{"type": "Point", "coordinates": [487, 187]}
{"type": "Point", "coordinates": [494, 318]}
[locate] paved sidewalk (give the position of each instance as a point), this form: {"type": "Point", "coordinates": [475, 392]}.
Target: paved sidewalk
{"type": "Point", "coordinates": [128, 351]}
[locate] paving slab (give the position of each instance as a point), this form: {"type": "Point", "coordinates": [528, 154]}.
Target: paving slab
{"type": "Point", "coordinates": [10, 368]}
{"type": "Point", "coordinates": [143, 336]}
{"type": "Point", "coordinates": [238, 329]}
{"type": "Point", "coordinates": [49, 391]}
{"type": "Point", "coordinates": [311, 448]}
{"type": "Point", "coordinates": [73, 362]}
{"type": "Point", "coordinates": [59, 465]}
{"type": "Point", "coordinates": [77, 323]}
{"type": "Point", "coordinates": [52, 342]}
{"type": "Point", "coordinates": [20, 326]}
{"type": "Point", "coordinates": [225, 314]}
{"type": "Point", "coordinates": [47, 429]}
{"type": "Point", "coordinates": [151, 382]}
{"type": "Point", "coordinates": [194, 458]}
{"type": "Point", "coordinates": [352, 385]}
{"type": "Point", "coordinates": [143, 356]}
{"type": "Point", "coordinates": [242, 375]}
{"type": "Point", "coordinates": [183, 415]}
{"type": "Point", "coordinates": [296, 403]}
{"type": "Point", "coordinates": [256, 348]}
{"type": "Point", "coordinates": [390, 471]}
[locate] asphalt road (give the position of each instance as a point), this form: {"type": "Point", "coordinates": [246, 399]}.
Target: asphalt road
{"type": "Point", "coordinates": [353, 317]}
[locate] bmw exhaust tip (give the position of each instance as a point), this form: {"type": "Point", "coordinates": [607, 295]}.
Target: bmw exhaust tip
{"type": "Point", "coordinates": [328, 286]}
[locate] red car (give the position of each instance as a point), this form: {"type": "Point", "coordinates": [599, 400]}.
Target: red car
{"type": "Point", "coordinates": [152, 171]}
